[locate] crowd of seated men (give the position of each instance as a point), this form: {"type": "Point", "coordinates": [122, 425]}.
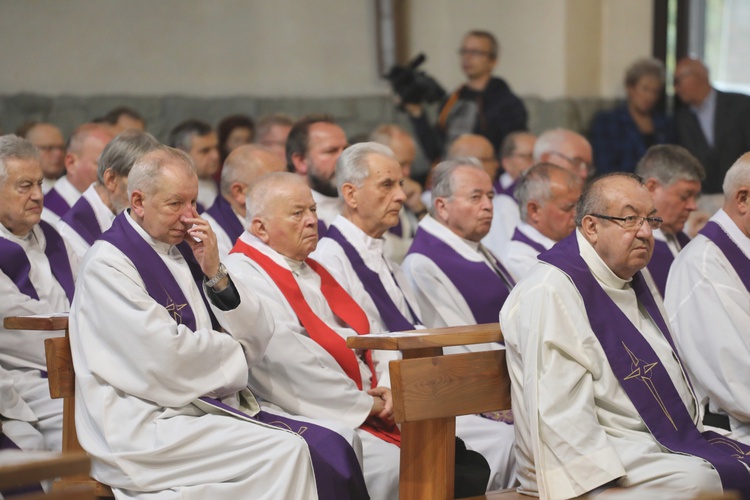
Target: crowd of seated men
{"type": "Point", "coordinates": [211, 282]}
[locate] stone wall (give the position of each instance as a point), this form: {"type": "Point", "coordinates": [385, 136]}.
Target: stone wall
{"type": "Point", "coordinates": [357, 115]}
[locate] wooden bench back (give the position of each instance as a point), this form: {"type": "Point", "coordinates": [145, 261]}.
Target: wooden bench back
{"type": "Point", "coordinates": [62, 384]}
{"type": "Point", "coordinates": [447, 386]}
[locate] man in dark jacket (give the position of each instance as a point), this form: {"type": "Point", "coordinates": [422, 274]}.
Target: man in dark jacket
{"type": "Point", "coordinates": [483, 105]}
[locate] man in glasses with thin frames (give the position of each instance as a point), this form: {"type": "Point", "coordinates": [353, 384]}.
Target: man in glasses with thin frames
{"type": "Point", "coordinates": [600, 395]}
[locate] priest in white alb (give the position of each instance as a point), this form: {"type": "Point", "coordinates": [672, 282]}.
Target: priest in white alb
{"type": "Point", "coordinates": [307, 369]}
{"type": "Point", "coordinates": [161, 345]}
{"type": "Point", "coordinates": [369, 180]}
{"type": "Point", "coordinates": [600, 397]}
{"type": "Point", "coordinates": [227, 214]}
{"type": "Point", "coordinates": [708, 301]}
{"type": "Point", "coordinates": [95, 210]}
{"type": "Point", "coordinates": [37, 272]}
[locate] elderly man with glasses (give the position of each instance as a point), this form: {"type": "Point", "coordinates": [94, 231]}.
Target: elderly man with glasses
{"type": "Point", "coordinates": [600, 396]}
{"type": "Point", "coordinates": [484, 105]}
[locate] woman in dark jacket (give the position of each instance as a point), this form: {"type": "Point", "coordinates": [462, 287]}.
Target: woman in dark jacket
{"type": "Point", "coordinates": [620, 137]}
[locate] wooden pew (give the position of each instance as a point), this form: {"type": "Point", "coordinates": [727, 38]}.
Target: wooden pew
{"type": "Point", "coordinates": [430, 390]}
{"type": "Point", "coordinates": [61, 378]}
{"type": "Point", "coordinates": [21, 469]}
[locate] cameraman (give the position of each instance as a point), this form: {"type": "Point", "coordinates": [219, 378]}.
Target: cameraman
{"type": "Point", "coordinates": [484, 105]}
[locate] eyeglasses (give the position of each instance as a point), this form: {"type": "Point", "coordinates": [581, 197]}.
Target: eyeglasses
{"type": "Point", "coordinates": [473, 52]}
{"type": "Point", "coordinates": [632, 222]}
{"type": "Point", "coordinates": [577, 162]}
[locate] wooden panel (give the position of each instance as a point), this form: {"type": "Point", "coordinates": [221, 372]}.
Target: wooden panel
{"type": "Point", "coordinates": [431, 337]}
{"type": "Point", "coordinates": [444, 386]}
{"type": "Point", "coordinates": [428, 452]}
{"type": "Point", "coordinates": [80, 492]}
{"type": "Point", "coordinates": [36, 322]}
{"type": "Point", "coordinates": [33, 470]}
{"type": "Point", "coordinates": [59, 367]}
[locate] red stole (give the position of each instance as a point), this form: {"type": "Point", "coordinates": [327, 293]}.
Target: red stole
{"type": "Point", "coordinates": [342, 305]}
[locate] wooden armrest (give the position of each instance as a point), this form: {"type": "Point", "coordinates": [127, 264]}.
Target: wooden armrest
{"type": "Point", "coordinates": [36, 322]}
{"type": "Point", "coordinates": [429, 338]}
{"type": "Point", "coordinates": [26, 472]}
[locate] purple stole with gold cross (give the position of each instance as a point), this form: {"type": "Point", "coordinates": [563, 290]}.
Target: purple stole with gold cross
{"type": "Point", "coordinates": [642, 375]}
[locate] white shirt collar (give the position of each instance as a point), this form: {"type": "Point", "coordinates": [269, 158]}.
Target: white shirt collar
{"type": "Point", "coordinates": [598, 267]}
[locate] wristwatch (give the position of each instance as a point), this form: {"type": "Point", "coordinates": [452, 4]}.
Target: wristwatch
{"type": "Point", "coordinates": [223, 273]}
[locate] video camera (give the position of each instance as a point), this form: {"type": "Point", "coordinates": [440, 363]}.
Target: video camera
{"type": "Point", "coordinates": [412, 86]}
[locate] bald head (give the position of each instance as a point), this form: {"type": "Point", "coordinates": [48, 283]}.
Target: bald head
{"type": "Point", "coordinates": [242, 167]}
{"type": "Point", "coordinates": [400, 142]}
{"type": "Point", "coordinates": [565, 148]}
{"type": "Point", "coordinates": [475, 146]}
{"type": "Point", "coordinates": [737, 193]}
{"type": "Point", "coordinates": [84, 148]}
{"type": "Point", "coordinates": [281, 213]}
{"type": "Point", "coordinates": [691, 81]}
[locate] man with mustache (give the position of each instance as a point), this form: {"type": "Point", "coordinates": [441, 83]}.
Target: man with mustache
{"type": "Point", "coordinates": [600, 396]}
{"type": "Point", "coordinates": [37, 273]}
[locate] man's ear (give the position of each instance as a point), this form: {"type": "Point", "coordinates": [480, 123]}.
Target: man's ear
{"type": "Point", "coordinates": [70, 161]}
{"type": "Point", "coordinates": [349, 193]}
{"type": "Point", "coordinates": [742, 200]}
{"type": "Point", "coordinates": [441, 209]}
{"type": "Point", "coordinates": [136, 202]}
{"type": "Point", "coordinates": [237, 193]}
{"type": "Point", "coordinates": [259, 229]}
{"type": "Point", "coordinates": [300, 163]}
{"type": "Point", "coordinates": [590, 229]}
{"type": "Point", "coordinates": [532, 211]}
{"type": "Point", "coordinates": [651, 184]}
{"type": "Point", "coordinates": [110, 180]}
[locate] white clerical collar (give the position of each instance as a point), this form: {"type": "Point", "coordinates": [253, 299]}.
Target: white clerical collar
{"type": "Point", "coordinates": [357, 237]}
{"type": "Point", "coordinates": [467, 249]}
{"type": "Point", "coordinates": [21, 240]}
{"type": "Point", "coordinates": [293, 265]}
{"type": "Point", "coordinates": [598, 267]}
{"type": "Point", "coordinates": [535, 235]}
{"type": "Point", "coordinates": [159, 246]}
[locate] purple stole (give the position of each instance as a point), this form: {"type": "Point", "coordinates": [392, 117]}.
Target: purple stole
{"type": "Point", "coordinates": [222, 213]}
{"type": "Point", "coordinates": [337, 472]}
{"type": "Point", "coordinates": [394, 320]}
{"type": "Point", "coordinates": [731, 251]}
{"type": "Point", "coordinates": [508, 191]}
{"type": "Point", "coordinates": [398, 229]}
{"type": "Point", "coordinates": [485, 292]}
{"type": "Point", "coordinates": [643, 376]}
{"type": "Point", "coordinates": [15, 263]}
{"type": "Point", "coordinates": [519, 236]}
{"type": "Point", "coordinates": [662, 260]}
{"type": "Point", "coordinates": [322, 229]}
{"type": "Point", "coordinates": [55, 202]}
{"type": "Point", "coordinates": [83, 220]}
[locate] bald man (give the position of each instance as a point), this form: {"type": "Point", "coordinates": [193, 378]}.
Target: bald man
{"type": "Point", "coordinates": [567, 149]}
{"type": "Point", "coordinates": [713, 125]}
{"type": "Point", "coordinates": [241, 168]}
